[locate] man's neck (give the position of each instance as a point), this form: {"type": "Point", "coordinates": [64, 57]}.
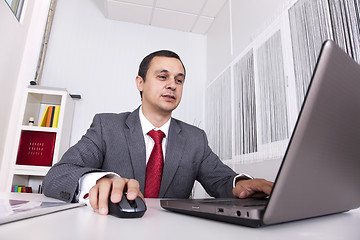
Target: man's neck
{"type": "Point", "coordinates": [156, 119]}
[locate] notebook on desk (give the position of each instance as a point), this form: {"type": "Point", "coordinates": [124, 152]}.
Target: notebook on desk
{"type": "Point", "coordinates": [320, 171]}
{"type": "Point", "coordinates": [14, 209]}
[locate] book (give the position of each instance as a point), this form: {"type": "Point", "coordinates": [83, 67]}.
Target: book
{"type": "Point", "coordinates": [44, 117]}
{"type": "Point", "coordinates": [52, 116]}
{"type": "Point", "coordinates": [36, 148]}
{"type": "Point", "coordinates": [49, 116]}
{"type": "Point", "coordinates": [56, 117]}
{"type": "Point", "coordinates": [26, 190]}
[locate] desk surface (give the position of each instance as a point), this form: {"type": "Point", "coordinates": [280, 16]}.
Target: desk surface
{"type": "Point", "coordinates": [83, 223]}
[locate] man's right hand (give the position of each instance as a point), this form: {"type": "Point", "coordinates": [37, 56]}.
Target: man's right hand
{"type": "Point", "coordinates": [99, 194]}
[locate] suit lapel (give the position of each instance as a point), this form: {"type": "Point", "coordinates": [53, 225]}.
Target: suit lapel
{"type": "Point", "coordinates": [136, 145]}
{"type": "Point", "coordinates": [174, 152]}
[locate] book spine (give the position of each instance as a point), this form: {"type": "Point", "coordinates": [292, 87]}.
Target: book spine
{"type": "Point", "coordinates": [52, 116]}
{"type": "Point", "coordinates": [44, 117]}
{"type": "Point", "coordinates": [21, 189]}
{"type": "Point", "coordinates": [26, 190]}
{"type": "Point", "coordinates": [56, 116]}
{"type": "Point", "coordinates": [49, 115]}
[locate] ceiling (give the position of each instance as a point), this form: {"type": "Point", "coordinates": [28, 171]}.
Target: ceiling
{"type": "Point", "coordinates": [194, 16]}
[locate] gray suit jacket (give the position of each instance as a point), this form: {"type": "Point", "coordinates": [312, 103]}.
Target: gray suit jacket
{"type": "Point", "coordinates": [115, 143]}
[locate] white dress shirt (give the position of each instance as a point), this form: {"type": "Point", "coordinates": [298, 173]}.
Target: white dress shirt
{"type": "Point", "coordinates": [149, 142]}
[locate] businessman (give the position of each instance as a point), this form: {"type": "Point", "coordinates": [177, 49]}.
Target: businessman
{"type": "Point", "coordinates": [146, 152]}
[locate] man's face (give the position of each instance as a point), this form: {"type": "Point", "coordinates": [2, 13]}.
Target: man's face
{"type": "Point", "coordinates": [163, 86]}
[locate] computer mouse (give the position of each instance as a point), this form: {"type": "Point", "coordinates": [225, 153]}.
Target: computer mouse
{"type": "Point", "coordinates": [127, 208]}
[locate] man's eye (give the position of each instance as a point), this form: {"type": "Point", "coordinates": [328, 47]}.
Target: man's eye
{"type": "Point", "coordinates": [162, 77]}
{"type": "Point", "coordinates": [180, 81]}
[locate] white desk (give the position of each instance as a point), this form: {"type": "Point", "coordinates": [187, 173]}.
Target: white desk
{"type": "Point", "coordinates": [83, 223]}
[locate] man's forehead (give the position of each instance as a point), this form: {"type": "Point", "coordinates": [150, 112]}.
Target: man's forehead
{"type": "Point", "coordinates": [166, 64]}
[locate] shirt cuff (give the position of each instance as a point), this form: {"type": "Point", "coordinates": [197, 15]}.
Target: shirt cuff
{"type": "Point", "coordinates": [242, 176]}
{"type": "Point", "coordinates": [87, 181]}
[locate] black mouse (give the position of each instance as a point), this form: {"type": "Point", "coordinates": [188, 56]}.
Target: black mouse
{"type": "Point", "coordinates": [127, 208]}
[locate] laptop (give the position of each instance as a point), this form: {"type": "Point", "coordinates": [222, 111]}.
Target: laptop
{"type": "Point", "coordinates": [320, 171]}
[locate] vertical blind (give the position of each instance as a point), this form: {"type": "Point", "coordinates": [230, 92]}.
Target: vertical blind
{"type": "Point", "coordinates": [260, 96]}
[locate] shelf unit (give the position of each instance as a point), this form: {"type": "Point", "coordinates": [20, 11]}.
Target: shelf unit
{"type": "Point", "coordinates": [35, 101]}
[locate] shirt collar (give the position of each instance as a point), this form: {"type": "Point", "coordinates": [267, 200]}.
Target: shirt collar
{"type": "Point", "coordinates": [147, 126]}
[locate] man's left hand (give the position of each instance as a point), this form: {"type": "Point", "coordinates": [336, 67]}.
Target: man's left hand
{"type": "Point", "coordinates": [252, 188]}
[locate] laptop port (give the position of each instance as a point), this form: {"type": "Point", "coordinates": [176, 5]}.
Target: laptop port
{"type": "Point", "coordinates": [220, 210]}
{"type": "Point", "coordinates": [238, 213]}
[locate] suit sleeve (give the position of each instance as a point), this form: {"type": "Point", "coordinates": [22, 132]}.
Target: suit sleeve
{"type": "Point", "coordinates": [216, 177]}
{"type": "Point", "coordinates": [86, 156]}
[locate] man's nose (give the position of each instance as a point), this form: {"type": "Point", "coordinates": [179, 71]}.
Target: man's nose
{"type": "Point", "coordinates": [171, 84]}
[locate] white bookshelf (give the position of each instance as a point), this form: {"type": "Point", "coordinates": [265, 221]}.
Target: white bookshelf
{"type": "Point", "coordinates": [36, 98]}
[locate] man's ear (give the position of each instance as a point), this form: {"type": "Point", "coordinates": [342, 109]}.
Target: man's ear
{"type": "Point", "coordinates": [139, 83]}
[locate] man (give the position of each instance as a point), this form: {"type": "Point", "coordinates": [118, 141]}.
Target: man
{"type": "Point", "coordinates": [115, 155]}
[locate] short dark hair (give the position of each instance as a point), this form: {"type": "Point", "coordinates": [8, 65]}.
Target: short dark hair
{"type": "Point", "coordinates": [145, 63]}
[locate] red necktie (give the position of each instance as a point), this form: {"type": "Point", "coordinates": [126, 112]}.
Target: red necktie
{"type": "Point", "coordinates": [154, 166]}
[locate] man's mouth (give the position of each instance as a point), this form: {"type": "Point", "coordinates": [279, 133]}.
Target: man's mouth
{"type": "Point", "coordinates": [169, 96]}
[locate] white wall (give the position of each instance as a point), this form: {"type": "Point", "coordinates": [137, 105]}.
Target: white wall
{"type": "Point", "coordinates": [12, 43]}
{"type": "Point", "coordinates": [219, 44]}
{"type": "Point", "coordinates": [236, 26]}
{"type": "Point", "coordinates": [99, 58]}
{"type": "Point", "coordinates": [19, 47]}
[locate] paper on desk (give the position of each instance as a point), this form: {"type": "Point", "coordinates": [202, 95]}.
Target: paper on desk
{"type": "Point", "coordinates": [13, 210]}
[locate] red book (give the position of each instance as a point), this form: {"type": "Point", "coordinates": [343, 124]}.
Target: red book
{"type": "Point", "coordinates": [26, 189]}
{"type": "Point", "coordinates": [36, 148]}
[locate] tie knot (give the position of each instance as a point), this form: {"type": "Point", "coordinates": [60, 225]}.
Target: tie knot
{"type": "Point", "coordinates": [157, 136]}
